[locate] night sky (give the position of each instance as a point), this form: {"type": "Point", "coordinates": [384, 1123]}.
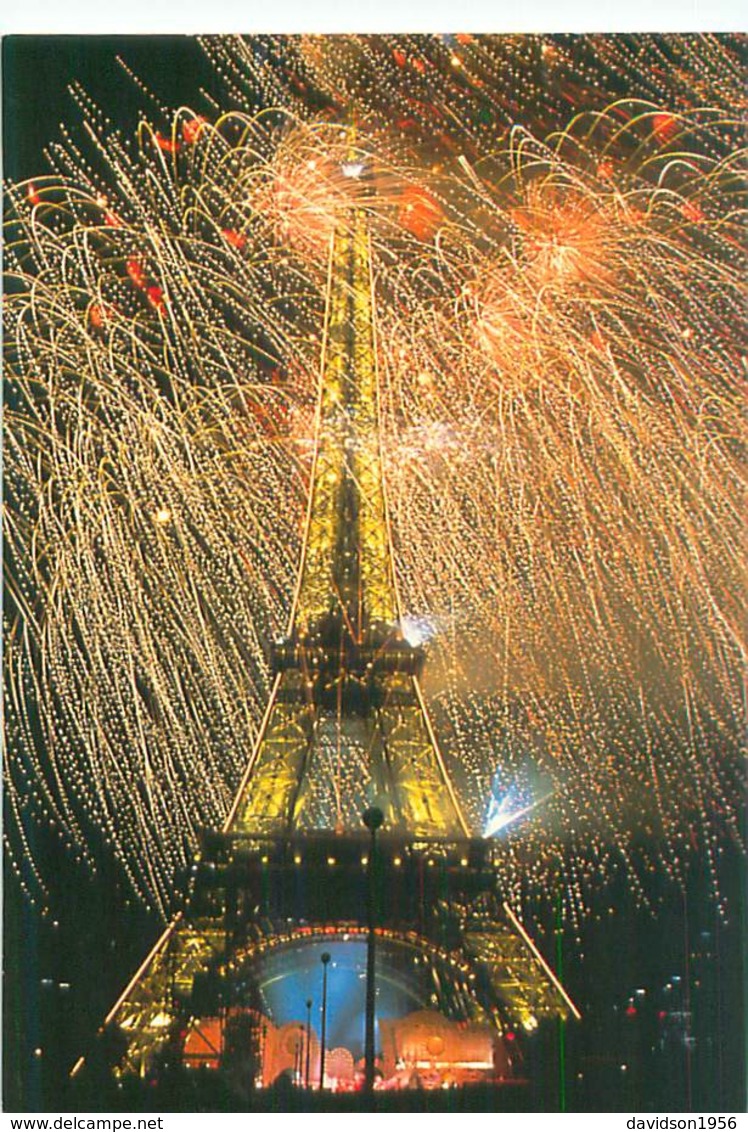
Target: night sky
{"type": "Point", "coordinates": [63, 973]}
{"type": "Point", "coordinates": [38, 70]}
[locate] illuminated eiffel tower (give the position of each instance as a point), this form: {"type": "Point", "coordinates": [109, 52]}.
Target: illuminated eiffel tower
{"type": "Point", "coordinates": [345, 728]}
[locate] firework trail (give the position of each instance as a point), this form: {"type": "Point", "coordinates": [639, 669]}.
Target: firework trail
{"type": "Point", "coordinates": [558, 244]}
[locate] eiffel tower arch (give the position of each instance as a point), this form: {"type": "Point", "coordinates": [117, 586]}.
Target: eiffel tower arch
{"type": "Point", "coordinates": [294, 873]}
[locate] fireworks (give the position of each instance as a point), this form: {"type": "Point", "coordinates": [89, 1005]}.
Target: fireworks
{"type": "Point", "coordinates": [558, 261]}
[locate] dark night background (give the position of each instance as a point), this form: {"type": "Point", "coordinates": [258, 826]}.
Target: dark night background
{"type": "Point", "coordinates": [678, 1046]}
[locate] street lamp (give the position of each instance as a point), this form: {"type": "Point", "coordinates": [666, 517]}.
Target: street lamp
{"type": "Point", "coordinates": [373, 819]}
{"type": "Point", "coordinates": [325, 957]}
{"type": "Point", "coordinates": [308, 1040]}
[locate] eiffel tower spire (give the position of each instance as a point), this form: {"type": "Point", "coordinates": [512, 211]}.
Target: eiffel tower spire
{"type": "Point", "coordinates": [345, 728]}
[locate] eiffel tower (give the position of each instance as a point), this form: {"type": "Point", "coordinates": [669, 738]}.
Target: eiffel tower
{"type": "Point", "coordinates": [345, 728]}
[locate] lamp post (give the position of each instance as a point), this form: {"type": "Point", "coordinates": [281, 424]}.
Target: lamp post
{"type": "Point", "coordinates": [325, 957]}
{"type": "Point", "coordinates": [308, 1040]}
{"type": "Point", "coordinates": [373, 818]}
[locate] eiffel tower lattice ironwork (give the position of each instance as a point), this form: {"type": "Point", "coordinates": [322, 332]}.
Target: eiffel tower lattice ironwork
{"type": "Point", "coordinates": [345, 727]}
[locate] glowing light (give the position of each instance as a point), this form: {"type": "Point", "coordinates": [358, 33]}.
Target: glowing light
{"type": "Point", "coordinates": [418, 630]}
{"type": "Point", "coordinates": [501, 814]}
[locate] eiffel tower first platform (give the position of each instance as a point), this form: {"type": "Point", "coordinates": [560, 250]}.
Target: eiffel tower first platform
{"type": "Point", "coordinates": [295, 877]}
